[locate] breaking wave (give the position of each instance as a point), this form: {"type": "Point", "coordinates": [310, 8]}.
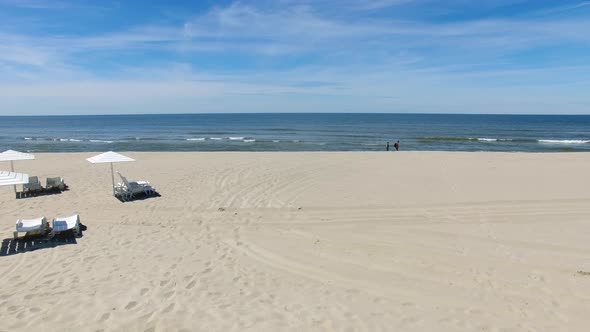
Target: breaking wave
{"type": "Point", "coordinates": [564, 141]}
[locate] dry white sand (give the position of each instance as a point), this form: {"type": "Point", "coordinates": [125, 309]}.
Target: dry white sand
{"type": "Point", "coordinates": [308, 241]}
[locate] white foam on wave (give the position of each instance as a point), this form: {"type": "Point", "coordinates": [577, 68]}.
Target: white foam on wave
{"type": "Point", "coordinates": [200, 139]}
{"type": "Point", "coordinates": [100, 141]}
{"type": "Point", "coordinates": [28, 138]}
{"type": "Point", "coordinates": [276, 140]}
{"type": "Point", "coordinates": [59, 139]}
{"type": "Point", "coordinates": [215, 138]}
{"type": "Point", "coordinates": [564, 141]}
{"type": "Point", "coordinates": [484, 139]}
{"type": "Point", "coordinates": [236, 138]}
{"type": "Point", "coordinates": [249, 140]}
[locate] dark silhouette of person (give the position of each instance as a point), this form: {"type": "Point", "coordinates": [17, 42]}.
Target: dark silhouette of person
{"type": "Point", "coordinates": [396, 146]}
{"type": "Point", "coordinates": [387, 147]}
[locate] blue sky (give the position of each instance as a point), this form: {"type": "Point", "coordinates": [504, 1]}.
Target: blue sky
{"type": "Point", "coordinates": [453, 56]}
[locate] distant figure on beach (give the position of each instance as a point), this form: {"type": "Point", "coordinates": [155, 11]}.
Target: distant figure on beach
{"type": "Point", "coordinates": [396, 146]}
{"type": "Point", "coordinates": [387, 147]}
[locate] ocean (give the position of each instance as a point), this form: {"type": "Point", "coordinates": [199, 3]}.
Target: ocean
{"type": "Point", "coordinates": [296, 132]}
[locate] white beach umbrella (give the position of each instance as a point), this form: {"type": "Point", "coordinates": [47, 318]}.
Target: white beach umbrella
{"type": "Point", "coordinates": [11, 155]}
{"type": "Point", "coordinates": [12, 178]}
{"type": "Point", "coordinates": [110, 157]}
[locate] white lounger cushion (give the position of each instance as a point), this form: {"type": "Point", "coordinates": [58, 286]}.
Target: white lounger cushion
{"type": "Point", "coordinates": [55, 183]}
{"type": "Point", "coordinates": [65, 223]}
{"type": "Point", "coordinates": [29, 225]}
{"type": "Point", "coordinates": [133, 187]}
{"type": "Point", "coordinates": [33, 184]}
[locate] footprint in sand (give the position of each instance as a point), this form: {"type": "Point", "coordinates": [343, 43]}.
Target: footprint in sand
{"type": "Point", "coordinates": [409, 305]}
{"type": "Point", "coordinates": [145, 317]}
{"type": "Point", "coordinates": [131, 305]}
{"type": "Point", "coordinates": [104, 317]}
{"type": "Point", "coordinates": [191, 284]}
{"type": "Point", "coordinates": [379, 300]}
{"type": "Point", "coordinates": [168, 308]}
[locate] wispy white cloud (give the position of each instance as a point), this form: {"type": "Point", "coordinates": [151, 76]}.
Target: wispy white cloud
{"type": "Point", "coordinates": [390, 65]}
{"type": "Point", "coordinates": [289, 30]}
{"type": "Point", "coordinates": [563, 8]}
{"type": "Point", "coordinates": [363, 5]}
{"type": "Point", "coordinates": [377, 4]}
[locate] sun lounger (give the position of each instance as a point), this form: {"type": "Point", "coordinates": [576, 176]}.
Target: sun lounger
{"type": "Point", "coordinates": [63, 224]}
{"type": "Point", "coordinates": [134, 187]}
{"type": "Point", "coordinates": [33, 185]}
{"type": "Point", "coordinates": [121, 191]}
{"type": "Point", "coordinates": [31, 226]}
{"type": "Point", "coordinates": [56, 183]}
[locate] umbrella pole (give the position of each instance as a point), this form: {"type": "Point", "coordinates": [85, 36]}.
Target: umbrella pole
{"type": "Point", "coordinates": [113, 178]}
{"type": "Point", "coordinates": [12, 170]}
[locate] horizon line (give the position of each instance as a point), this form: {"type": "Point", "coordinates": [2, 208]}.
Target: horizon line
{"type": "Point", "coordinates": [296, 113]}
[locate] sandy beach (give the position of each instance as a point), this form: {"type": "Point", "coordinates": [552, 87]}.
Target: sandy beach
{"type": "Point", "coordinates": [409, 241]}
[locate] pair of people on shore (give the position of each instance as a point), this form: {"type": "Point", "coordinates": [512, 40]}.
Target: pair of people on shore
{"type": "Point", "coordinates": [395, 145]}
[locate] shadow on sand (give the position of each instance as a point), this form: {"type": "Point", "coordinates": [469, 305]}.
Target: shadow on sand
{"type": "Point", "coordinates": [138, 197]}
{"type": "Point", "coordinates": [44, 192]}
{"type": "Point", "coordinates": [27, 243]}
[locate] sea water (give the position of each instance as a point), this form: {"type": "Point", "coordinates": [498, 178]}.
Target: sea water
{"type": "Point", "coordinates": [296, 132]}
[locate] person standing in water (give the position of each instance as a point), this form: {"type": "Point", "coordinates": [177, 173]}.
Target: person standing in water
{"type": "Point", "coordinates": [387, 147]}
{"type": "Point", "coordinates": [396, 146]}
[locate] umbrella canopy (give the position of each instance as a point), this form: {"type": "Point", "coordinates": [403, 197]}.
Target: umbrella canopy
{"type": "Point", "coordinates": [11, 155]}
{"type": "Point", "coordinates": [110, 157]}
{"type": "Point", "coordinates": [12, 178]}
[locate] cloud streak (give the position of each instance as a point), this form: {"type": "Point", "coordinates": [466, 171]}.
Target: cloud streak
{"type": "Point", "coordinates": [299, 30]}
{"type": "Point", "coordinates": [297, 49]}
